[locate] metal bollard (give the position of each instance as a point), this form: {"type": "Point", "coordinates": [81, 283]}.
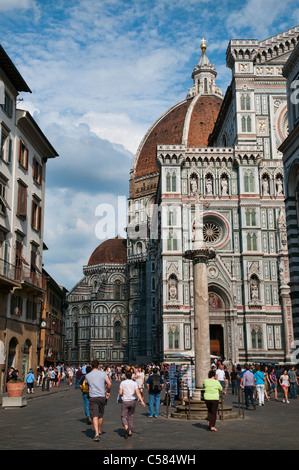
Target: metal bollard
{"type": "Point", "coordinates": [46, 384]}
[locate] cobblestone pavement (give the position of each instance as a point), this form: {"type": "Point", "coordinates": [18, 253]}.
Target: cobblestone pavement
{"type": "Point", "coordinates": [55, 420]}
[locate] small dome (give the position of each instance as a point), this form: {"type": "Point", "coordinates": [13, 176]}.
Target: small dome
{"type": "Point", "coordinates": [113, 250]}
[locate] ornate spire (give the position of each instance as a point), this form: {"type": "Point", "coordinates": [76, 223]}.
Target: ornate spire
{"type": "Point", "coordinates": [204, 75]}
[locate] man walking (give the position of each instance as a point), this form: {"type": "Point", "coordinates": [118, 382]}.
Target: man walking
{"type": "Point", "coordinates": [99, 386]}
{"type": "Point", "coordinates": [154, 385]}
{"type": "Point", "coordinates": [248, 383]}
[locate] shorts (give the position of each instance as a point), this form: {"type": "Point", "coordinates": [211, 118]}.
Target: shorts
{"type": "Point", "coordinates": [96, 407]}
{"type": "Point", "coordinates": [273, 387]}
{"type": "Point", "coordinates": [285, 386]}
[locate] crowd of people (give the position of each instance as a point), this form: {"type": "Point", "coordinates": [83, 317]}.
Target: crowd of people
{"type": "Point", "coordinates": [257, 381]}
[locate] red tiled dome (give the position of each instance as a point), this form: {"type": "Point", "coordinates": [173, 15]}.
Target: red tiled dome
{"type": "Point", "coordinates": [190, 122]}
{"type": "Point", "coordinates": [113, 250]}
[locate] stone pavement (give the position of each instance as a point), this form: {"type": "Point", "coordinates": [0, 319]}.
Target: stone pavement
{"type": "Point", "coordinates": [55, 420]}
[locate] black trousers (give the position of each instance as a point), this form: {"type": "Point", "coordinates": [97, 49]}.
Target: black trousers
{"type": "Point", "coordinates": [212, 406]}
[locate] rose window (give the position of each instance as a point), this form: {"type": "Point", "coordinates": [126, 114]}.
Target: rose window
{"type": "Point", "coordinates": [211, 232]}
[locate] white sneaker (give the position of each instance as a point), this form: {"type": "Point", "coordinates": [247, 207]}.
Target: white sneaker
{"type": "Point", "coordinates": [283, 401]}
{"type": "Point", "coordinates": [288, 401]}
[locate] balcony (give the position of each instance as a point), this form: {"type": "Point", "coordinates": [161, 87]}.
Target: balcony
{"type": "Point", "coordinates": [8, 275]}
{"type": "Point", "coordinates": [20, 276]}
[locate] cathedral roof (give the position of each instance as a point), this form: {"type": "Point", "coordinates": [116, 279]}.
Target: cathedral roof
{"type": "Point", "coordinates": [190, 122]}
{"type": "Point", "coordinates": [113, 250]}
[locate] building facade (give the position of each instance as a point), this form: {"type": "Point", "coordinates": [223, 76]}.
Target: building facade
{"type": "Point", "coordinates": [290, 149]}
{"type": "Point", "coordinates": [52, 325]}
{"type": "Point", "coordinates": [24, 152]}
{"type": "Point", "coordinates": [97, 321]}
{"type": "Point", "coordinates": [227, 150]}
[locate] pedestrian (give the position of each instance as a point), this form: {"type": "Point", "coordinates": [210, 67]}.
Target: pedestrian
{"type": "Point", "coordinates": [30, 381]}
{"type": "Point", "coordinates": [139, 377]}
{"type": "Point", "coordinates": [154, 386]}
{"type": "Point", "coordinates": [233, 381]}
{"type": "Point", "coordinates": [99, 386]}
{"type": "Point", "coordinates": [78, 375]}
{"type": "Point", "coordinates": [293, 382]}
{"type": "Point", "coordinates": [85, 394]}
{"type": "Point", "coordinates": [285, 384]}
{"type": "Point", "coordinates": [212, 387]}
{"type": "Point", "coordinates": [220, 373]}
{"type": "Point", "coordinates": [273, 383]}
{"type": "Point", "coordinates": [70, 374]}
{"type": "Point", "coordinates": [248, 384]}
{"type": "Point", "coordinates": [266, 383]}
{"type": "Point", "coordinates": [127, 390]}
{"type": "Point", "coordinates": [259, 378]}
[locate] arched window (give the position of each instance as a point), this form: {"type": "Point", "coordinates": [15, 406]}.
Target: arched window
{"type": "Point", "coordinates": [173, 338]}
{"type": "Point", "coordinates": [242, 102]}
{"type": "Point", "coordinates": [117, 333]}
{"type": "Point", "coordinates": [168, 182]}
{"type": "Point", "coordinates": [256, 339]}
{"type": "Point", "coordinates": [247, 102]}
{"type": "Point", "coordinates": [75, 334]}
{"type": "Point", "coordinates": [172, 243]}
{"type": "Point", "coordinates": [251, 182]}
{"type": "Point", "coordinates": [171, 217]}
{"type": "Point", "coordinates": [117, 290]}
{"type": "Point", "coordinates": [173, 182]}
{"type": "Point", "coordinates": [243, 123]}
{"type": "Point", "coordinates": [248, 124]}
{"type": "Point", "coordinates": [248, 242]}
{"type": "Point", "coordinates": [205, 85]}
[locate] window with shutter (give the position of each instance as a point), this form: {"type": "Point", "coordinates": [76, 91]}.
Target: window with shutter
{"type": "Point", "coordinates": [22, 202]}
{"type": "Point", "coordinates": [23, 155]}
{"type": "Point", "coordinates": [35, 216]}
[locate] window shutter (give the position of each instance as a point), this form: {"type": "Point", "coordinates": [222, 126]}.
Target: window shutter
{"type": "Point", "coordinates": [2, 93]}
{"type": "Point", "coordinates": [22, 202]}
{"type": "Point", "coordinates": [9, 150]}
{"type": "Point", "coordinates": [39, 215]}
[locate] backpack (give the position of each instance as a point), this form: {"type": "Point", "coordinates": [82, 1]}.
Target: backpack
{"type": "Point", "coordinates": [155, 386]}
{"type": "Point", "coordinates": [84, 387]}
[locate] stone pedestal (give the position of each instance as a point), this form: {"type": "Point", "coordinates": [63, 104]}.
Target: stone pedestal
{"type": "Point", "coordinates": [14, 402]}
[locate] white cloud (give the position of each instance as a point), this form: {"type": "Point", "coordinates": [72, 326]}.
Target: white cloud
{"type": "Point", "coordinates": [23, 5]}
{"type": "Point", "coordinates": [257, 17]}
{"type": "Point", "coordinates": [116, 128]}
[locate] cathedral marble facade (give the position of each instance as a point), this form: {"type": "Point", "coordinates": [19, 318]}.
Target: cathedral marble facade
{"type": "Point", "coordinates": [226, 149]}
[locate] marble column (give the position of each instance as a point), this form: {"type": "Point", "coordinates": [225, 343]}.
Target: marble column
{"type": "Point", "coordinates": [199, 256]}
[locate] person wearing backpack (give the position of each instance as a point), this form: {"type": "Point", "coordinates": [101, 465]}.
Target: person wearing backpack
{"type": "Point", "coordinates": [85, 395]}
{"type": "Point", "coordinates": [154, 386]}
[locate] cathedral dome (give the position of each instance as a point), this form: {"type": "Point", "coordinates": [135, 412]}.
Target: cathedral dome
{"type": "Point", "coordinates": [113, 250]}
{"type": "Point", "coordinates": [190, 123]}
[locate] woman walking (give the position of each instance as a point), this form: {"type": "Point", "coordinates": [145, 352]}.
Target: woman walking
{"type": "Point", "coordinates": [260, 385]}
{"type": "Point", "coordinates": [273, 383]}
{"type": "Point", "coordinates": [285, 384]}
{"type": "Point", "coordinates": [212, 388]}
{"type": "Point", "coordinates": [127, 390]}
{"type": "Point", "coordinates": [139, 378]}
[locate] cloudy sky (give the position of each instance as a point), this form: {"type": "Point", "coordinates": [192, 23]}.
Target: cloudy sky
{"type": "Point", "coordinates": [101, 72]}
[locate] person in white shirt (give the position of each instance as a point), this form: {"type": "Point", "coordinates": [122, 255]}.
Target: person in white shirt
{"type": "Point", "coordinates": [127, 390]}
{"type": "Point", "coordinates": [220, 374]}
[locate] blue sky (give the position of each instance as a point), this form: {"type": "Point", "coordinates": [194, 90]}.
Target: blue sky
{"type": "Point", "coordinates": [101, 72]}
